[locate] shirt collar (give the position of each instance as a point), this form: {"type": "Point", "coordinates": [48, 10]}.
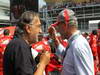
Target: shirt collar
{"type": "Point", "coordinates": [77, 32]}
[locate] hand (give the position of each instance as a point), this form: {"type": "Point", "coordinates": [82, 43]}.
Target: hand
{"type": "Point", "coordinates": [52, 30]}
{"type": "Point", "coordinates": [53, 34]}
{"type": "Point", "coordinates": [45, 58]}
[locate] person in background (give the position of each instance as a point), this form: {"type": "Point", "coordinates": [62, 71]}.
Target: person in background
{"type": "Point", "coordinates": [18, 58]}
{"type": "Point", "coordinates": [98, 47]}
{"type": "Point", "coordinates": [93, 45]}
{"type": "Point", "coordinates": [86, 35]}
{"type": "Point", "coordinates": [4, 40]}
{"type": "Point", "coordinates": [78, 58]}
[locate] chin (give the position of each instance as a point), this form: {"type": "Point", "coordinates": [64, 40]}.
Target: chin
{"type": "Point", "coordinates": [33, 41]}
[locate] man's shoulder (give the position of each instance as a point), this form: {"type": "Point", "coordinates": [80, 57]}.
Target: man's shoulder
{"type": "Point", "coordinates": [80, 44]}
{"type": "Point", "coordinates": [80, 40]}
{"type": "Point", "coordinates": [17, 45]}
{"type": "Point", "coordinates": [16, 42]}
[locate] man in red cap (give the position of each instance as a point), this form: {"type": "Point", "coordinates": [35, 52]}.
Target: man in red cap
{"type": "Point", "coordinates": [78, 58]}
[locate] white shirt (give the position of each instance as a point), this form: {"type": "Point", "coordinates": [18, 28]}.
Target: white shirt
{"type": "Point", "coordinates": [79, 58]}
{"type": "Point", "coordinates": [60, 51]}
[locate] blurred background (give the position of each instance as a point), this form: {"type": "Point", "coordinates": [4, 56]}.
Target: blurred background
{"type": "Point", "coordinates": [87, 11]}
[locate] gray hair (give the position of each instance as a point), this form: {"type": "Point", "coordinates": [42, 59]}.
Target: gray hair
{"type": "Point", "coordinates": [25, 19]}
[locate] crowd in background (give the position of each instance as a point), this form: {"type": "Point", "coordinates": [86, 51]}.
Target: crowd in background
{"type": "Point", "coordinates": [72, 4]}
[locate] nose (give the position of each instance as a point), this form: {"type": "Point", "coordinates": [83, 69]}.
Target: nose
{"type": "Point", "coordinates": [40, 31]}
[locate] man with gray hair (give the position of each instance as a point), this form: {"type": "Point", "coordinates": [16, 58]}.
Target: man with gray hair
{"type": "Point", "coordinates": [18, 59]}
{"type": "Point", "coordinates": [78, 58]}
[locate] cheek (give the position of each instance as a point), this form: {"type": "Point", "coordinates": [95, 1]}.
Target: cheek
{"type": "Point", "coordinates": [35, 32]}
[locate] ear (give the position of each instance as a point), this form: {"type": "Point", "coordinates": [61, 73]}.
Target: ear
{"type": "Point", "coordinates": [27, 29]}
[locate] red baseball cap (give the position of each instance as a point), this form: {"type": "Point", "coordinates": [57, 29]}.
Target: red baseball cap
{"type": "Point", "coordinates": [67, 16]}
